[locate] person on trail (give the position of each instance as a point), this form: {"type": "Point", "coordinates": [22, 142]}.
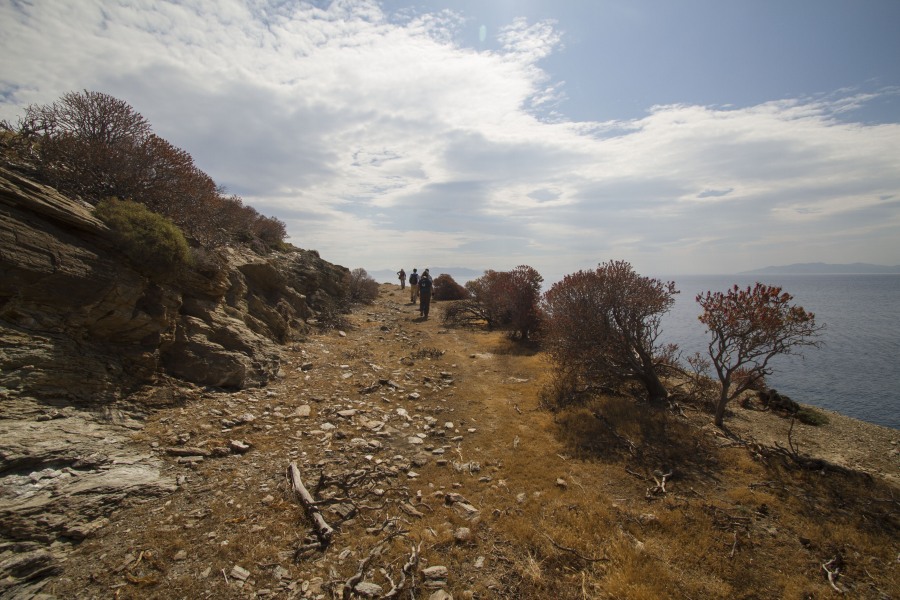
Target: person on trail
{"type": "Point", "coordinates": [413, 287]}
{"type": "Point", "coordinates": [425, 287]}
{"type": "Point", "coordinates": [402, 275]}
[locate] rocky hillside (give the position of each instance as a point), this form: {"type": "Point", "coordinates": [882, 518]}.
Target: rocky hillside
{"type": "Point", "coordinates": [80, 324]}
{"type": "Point", "coordinates": [86, 340]}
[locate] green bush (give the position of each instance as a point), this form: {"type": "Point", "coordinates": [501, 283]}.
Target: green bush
{"type": "Point", "coordinates": [151, 242]}
{"type": "Point", "coordinates": [811, 417]}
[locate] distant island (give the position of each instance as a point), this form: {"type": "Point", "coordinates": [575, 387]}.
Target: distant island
{"type": "Point", "coordinates": [825, 269]}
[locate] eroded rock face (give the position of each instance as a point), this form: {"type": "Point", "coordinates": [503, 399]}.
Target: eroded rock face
{"type": "Point", "coordinates": [79, 324]}
{"type": "Point", "coordinates": [81, 328]}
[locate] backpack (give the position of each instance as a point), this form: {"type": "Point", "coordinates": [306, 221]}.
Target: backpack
{"type": "Point", "coordinates": [414, 278]}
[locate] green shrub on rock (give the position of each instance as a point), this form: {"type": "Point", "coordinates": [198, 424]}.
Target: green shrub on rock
{"type": "Point", "coordinates": [151, 242]}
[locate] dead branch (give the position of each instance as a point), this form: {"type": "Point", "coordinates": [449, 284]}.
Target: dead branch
{"type": "Point", "coordinates": [323, 529]}
{"type": "Point", "coordinates": [660, 487]}
{"type": "Point", "coordinates": [572, 550]}
{"type": "Point", "coordinates": [632, 448]}
{"type": "Point", "coordinates": [356, 578]}
{"type": "Point", "coordinates": [635, 474]}
{"type": "Point", "coordinates": [409, 569]}
{"type": "Point", "coordinates": [832, 569]}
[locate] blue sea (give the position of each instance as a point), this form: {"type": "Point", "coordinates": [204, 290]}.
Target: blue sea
{"type": "Point", "coordinates": [854, 373]}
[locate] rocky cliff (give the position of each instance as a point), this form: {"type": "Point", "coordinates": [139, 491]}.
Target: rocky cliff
{"type": "Point", "coordinates": [79, 324]}
{"type": "Point", "coordinates": [82, 331]}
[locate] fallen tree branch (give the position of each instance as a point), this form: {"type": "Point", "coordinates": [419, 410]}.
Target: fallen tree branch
{"type": "Point", "coordinates": [409, 569]}
{"type": "Point", "coordinates": [572, 550]}
{"type": "Point", "coordinates": [833, 569]}
{"type": "Point", "coordinates": [660, 487]}
{"type": "Point", "coordinates": [323, 529]}
{"type": "Point", "coordinates": [356, 578]}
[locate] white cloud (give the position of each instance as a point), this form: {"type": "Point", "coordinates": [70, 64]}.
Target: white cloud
{"type": "Point", "coordinates": [380, 140]}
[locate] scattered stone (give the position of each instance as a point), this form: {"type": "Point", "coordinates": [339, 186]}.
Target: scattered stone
{"type": "Point", "coordinates": [411, 510]}
{"type": "Point", "coordinates": [479, 562]}
{"type": "Point", "coordinates": [466, 511]}
{"type": "Point", "coordinates": [462, 535]}
{"type": "Point", "coordinates": [238, 447]}
{"type": "Point", "coordinates": [180, 555]}
{"type": "Point", "coordinates": [560, 482]}
{"type": "Point", "coordinates": [347, 413]}
{"type": "Point", "coordinates": [301, 411]}
{"type": "Point", "coordinates": [367, 589]}
{"type": "Point", "coordinates": [440, 595]}
{"type": "Point", "coordinates": [186, 451]}
{"type": "Point", "coordinates": [435, 577]}
{"type": "Point", "coordinates": [240, 573]}
{"type": "Point", "coordinates": [414, 396]}
{"type": "Point", "coordinates": [415, 441]}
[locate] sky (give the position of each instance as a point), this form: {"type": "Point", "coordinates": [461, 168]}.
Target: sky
{"type": "Point", "coordinates": [690, 137]}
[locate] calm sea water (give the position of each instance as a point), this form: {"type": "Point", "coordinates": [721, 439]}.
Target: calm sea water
{"type": "Point", "coordinates": [854, 373]}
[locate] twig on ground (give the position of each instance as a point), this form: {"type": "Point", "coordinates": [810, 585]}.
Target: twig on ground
{"type": "Point", "coordinates": [833, 570]}
{"type": "Point", "coordinates": [572, 550]}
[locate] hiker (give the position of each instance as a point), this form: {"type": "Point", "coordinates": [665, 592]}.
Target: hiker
{"type": "Point", "coordinates": [413, 286]}
{"type": "Point", "coordinates": [425, 285]}
{"type": "Point", "coordinates": [402, 275]}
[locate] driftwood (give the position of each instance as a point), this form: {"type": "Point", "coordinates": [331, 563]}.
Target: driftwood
{"type": "Point", "coordinates": [323, 529]}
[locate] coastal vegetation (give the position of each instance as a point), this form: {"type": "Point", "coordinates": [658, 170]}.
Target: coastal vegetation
{"type": "Point", "coordinates": [93, 146]}
{"type": "Point", "coordinates": [748, 328]}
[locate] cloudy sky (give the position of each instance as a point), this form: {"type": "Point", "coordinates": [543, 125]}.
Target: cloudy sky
{"type": "Point", "coordinates": [699, 136]}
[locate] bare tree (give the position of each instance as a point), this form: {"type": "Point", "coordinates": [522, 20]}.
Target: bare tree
{"type": "Point", "coordinates": [88, 143]}
{"type": "Point", "coordinates": [748, 328]}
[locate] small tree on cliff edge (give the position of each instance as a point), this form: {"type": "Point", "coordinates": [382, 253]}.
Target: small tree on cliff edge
{"type": "Point", "coordinates": [602, 327]}
{"type": "Point", "coordinates": [747, 328]}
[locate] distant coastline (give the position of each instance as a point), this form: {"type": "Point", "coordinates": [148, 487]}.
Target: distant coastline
{"type": "Point", "coordinates": [819, 268]}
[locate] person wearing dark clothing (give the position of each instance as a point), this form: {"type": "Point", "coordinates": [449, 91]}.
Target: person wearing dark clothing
{"type": "Point", "coordinates": [413, 286]}
{"type": "Point", "coordinates": [425, 286]}
{"type": "Point", "coordinates": [402, 275]}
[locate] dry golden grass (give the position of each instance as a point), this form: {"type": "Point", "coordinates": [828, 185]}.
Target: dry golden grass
{"type": "Point", "coordinates": [567, 507]}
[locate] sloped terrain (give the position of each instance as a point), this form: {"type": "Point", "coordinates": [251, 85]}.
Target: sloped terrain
{"type": "Point", "coordinates": [437, 474]}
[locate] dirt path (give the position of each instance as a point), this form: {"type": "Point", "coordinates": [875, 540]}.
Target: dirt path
{"type": "Point", "coordinates": [422, 444]}
{"type": "Point", "coordinates": [396, 410]}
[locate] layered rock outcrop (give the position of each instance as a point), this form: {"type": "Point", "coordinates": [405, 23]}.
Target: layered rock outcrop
{"type": "Point", "coordinates": [80, 324]}
{"type": "Point", "coordinates": [81, 330]}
